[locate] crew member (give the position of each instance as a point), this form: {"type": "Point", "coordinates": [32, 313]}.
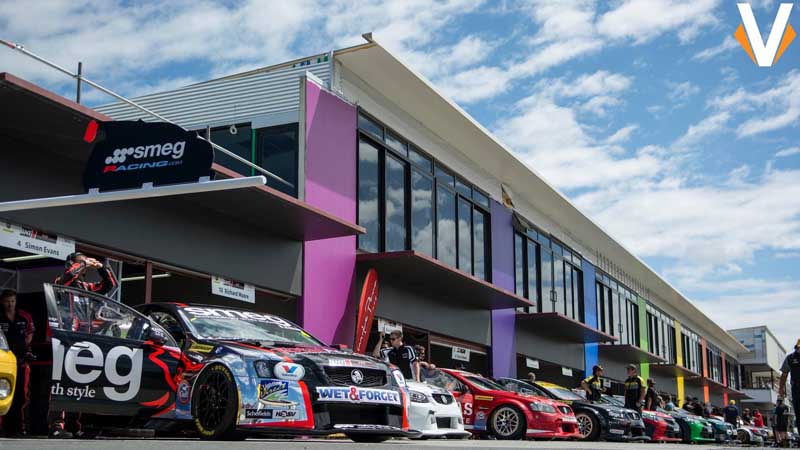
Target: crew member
{"type": "Point", "coordinates": [791, 365]}
{"type": "Point", "coordinates": [652, 399]}
{"type": "Point", "coordinates": [731, 413]}
{"type": "Point", "coordinates": [402, 356]}
{"type": "Point", "coordinates": [531, 377]}
{"type": "Point", "coordinates": [75, 273]}
{"type": "Point", "coordinates": [593, 385]}
{"type": "Point", "coordinates": [758, 419]}
{"type": "Point", "coordinates": [66, 424]}
{"type": "Point", "coordinates": [17, 325]}
{"type": "Point", "coordinates": [427, 369]}
{"type": "Point", "coordinates": [781, 413]}
{"type": "Point", "coordinates": [635, 389]}
{"type": "Point", "coordinates": [747, 418]}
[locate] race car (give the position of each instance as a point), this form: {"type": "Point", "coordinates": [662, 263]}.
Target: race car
{"type": "Point", "coordinates": [723, 431]}
{"type": "Point", "coordinates": [489, 409]}
{"type": "Point", "coordinates": [749, 435]}
{"type": "Point", "coordinates": [596, 420]}
{"type": "Point", "coordinates": [694, 429]}
{"type": "Point", "coordinates": [8, 375]}
{"type": "Point", "coordinates": [226, 373]}
{"type": "Point", "coordinates": [658, 426]}
{"type": "Point", "coordinates": [435, 412]}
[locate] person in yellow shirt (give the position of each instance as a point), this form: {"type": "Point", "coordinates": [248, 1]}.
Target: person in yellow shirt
{"type": "Point", "coordinates": [593, 385]}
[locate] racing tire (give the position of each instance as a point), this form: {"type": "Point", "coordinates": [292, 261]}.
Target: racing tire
{"type": "Point", "coordinates": [588, 422]}
{"type": "Point", "coordinates": [507, 423]}
{"type": "Point", "coordinates": [215, 405]}
{"type": "Point", "coordinates": [367, 438]}
{"type": "Point", "coordinates": [743, 437]}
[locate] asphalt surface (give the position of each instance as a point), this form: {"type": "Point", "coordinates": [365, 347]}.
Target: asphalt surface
{"type": "Point", "coordinates": [322, 444]}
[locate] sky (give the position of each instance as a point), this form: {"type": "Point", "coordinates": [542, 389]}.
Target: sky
{"type": "Point", "coordinates": [645, 113]}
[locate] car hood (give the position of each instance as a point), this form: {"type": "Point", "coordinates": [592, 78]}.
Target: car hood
{"type": "Point", "coordinates": [425, 388]}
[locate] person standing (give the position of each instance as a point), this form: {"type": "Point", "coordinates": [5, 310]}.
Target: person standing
{"type": "Point", "coordinates": [758, 419]}
{"type": "Point", "coordinates": [401, 355]}
{"type": "Point", "coordinates": [791, 366]}
{"type": "Point", "coordinates": [781, 413]}
{"type": "Point", "coordinates": [731, 413]}
{"type": "Point", "coordinates": [668, 404]}
{"type": "Point", "coordinates": [651, 398]}
{"type": "Point", "coordinates": [697, 407]}
{"type": "Point", "coordinates": [593, 385]}
{"type": "Point", "coordinates": [531, 378]}
{"type": "Point", "coordinates": [635, 389]}
{"type": "Point", "coordinates": [17, 325]}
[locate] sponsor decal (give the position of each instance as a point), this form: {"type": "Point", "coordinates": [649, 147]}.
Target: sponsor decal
{"type": "Point", "coordinates": [532, 363]}
{"type": "Point", "coordinates": [132, 153]}
{"type": "Point", "coordinates": [616, 431]}
{"type": "Point", "coordinates": [289, 371]}
{"type": "Point", "coordinates": [184, 390]}
{"type": "Point", "coordinates": [484, 398]}
{"type": "Point", "coordinates": [274, 393]}
{"type": "Point", "coordinates": [398, 376]}
{"type": "Point", "coordinates": [201, 348]}
{"type": "Point", "coordinates": [570, 419]}
{"type": "Point", "coordinates": [258, 413]}
{"type": "Point", "coordinates": [83, 364]}
{"type": "Point", "coordinates": [284, 414]}
{"type": "Point", "coordinates": [480, 420]}
{"type": "Point", "coordinates": [221, 313]}
{"type": "Point", "coordinates": [355, 394]}
{"type": "Point", "coordinates": [357, 376]}
{"type": "Point", "coordinates": [366, 310]}
{"type": "Point", "coordinates": [341, 362]}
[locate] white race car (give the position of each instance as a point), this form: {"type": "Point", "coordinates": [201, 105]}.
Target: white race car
{"type": "Point", "coordinates": [434, 412]}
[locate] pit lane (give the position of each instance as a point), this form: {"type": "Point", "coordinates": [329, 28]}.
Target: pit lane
{"type": "Point", "coordinates": [322, 444]}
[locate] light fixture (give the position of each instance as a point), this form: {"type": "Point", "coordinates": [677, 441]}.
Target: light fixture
{"type": "Point", "coordinates": [23, 258]}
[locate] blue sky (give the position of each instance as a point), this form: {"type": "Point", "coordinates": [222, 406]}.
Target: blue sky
{"type": "Point", "coordinates": [646, 113]}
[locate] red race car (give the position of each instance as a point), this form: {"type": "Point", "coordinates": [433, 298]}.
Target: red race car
{"type": "Point", "coordinates": [489, 409]}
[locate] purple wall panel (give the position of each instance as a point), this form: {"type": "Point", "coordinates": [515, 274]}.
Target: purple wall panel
{"type": "Point", "coordinates": [504, 356]}
{"type": "Point", "coordinates": [330, 177]}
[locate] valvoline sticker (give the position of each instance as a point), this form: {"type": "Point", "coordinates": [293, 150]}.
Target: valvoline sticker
{"type": "Point", "coordinates": [480, 420]}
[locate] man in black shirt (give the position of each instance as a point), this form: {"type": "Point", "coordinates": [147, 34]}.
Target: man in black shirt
{"type": "Point", "coordinates": [791, 365]}
{"type": "Point", "coordinates": [635, 389]}
{"type": "Point", "coordinates": [402, 356]}
{"type": "Point", "coordinates": [652, 399]}
{"type": "Point", "coordinates": [17, 325]}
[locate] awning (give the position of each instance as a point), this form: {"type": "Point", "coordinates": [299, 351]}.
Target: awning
{"type": "Point", "coordinates": [673, 370]}
{"type": "Point", "coordinates": [420, 271]}
{"type": "Point", "coordinates": [54, 126]}
{"type": "Point", "coordinates": [719, 388]}
{"type": "Point", "coordinates": [563, 328]}
{"type": "Point", "coordinates": [627, 353]}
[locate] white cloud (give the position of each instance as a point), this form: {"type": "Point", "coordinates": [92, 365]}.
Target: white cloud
{"type": "Point", "coordinates": [622, 135]}
{"type": "Point", "coordinates": [788, 152]}
{"type": "Point", "coordinates": [643, 20]}
{"type": "Point", "coordinates": [682, 91]}
{"type": "Point", "coordinates": [706, 127]}
{"type": "Point", "coordinates": [729, 43]}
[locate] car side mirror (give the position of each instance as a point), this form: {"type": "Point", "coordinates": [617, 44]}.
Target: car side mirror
{"type": "Point", "coordinates": [156, 335]}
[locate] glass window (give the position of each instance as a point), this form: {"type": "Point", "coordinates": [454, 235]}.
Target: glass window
{"type": "Point", "coordinates": [558, 285]}
{"type": "Point", "coordinates": [617, 314]}
{"type": "Point", "coordinates": [421, 213]}
{"type": "Point", "coordinates": [370, 126]}
{"type": "Point", "coordinates": [396, 143]}
{"type": "Point", "coordinates": [420, 159]}
{"type": "Point", "coordinates": [368, 190]}
{"type": "Point", "coordinates": [546, 259]}
{"type": "Point", "coordinates": [479, 244]}
{"type": "Point", "coordinates": [577, 293]}
{"type": "Point", "coordinates": [568, 300]}
{"type": "Point", "coordinates": [464, 235]}
{"type": "Point", "coordinates": [446, 225]}
{"type": "Point", "coordinates": [444, 176]}
{"type": "Point", "coordinates": [480, 198]}
{"type": "Point", "coordinates": [519, 265]}
{"type": "Point", "coordinates": [533, 273]}
{"type": "Point", "coordinates": [463, 188]}
{"type": "Point", "coordinates": [395, 204]}
{"type": "Point", "coordinates": [239, 143]}
{"type": "Point", "coordinates": [277, 152]}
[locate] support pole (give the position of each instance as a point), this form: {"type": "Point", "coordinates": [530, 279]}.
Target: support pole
{"type": "Point", "coordinates": [78, 93]}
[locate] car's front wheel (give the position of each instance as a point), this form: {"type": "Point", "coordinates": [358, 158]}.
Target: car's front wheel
{"type": "Point", "coordinates": [215, 403]}
{"type": "Point", "coordinates": [588, 426]}
{"type": "Point", "coordinates": [507, 422]}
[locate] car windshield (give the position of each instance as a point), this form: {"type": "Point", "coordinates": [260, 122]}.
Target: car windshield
{"type": "Point", "coordinates": [611, 400]}
{"type": "Point", "coordinates": [484, 383]}
{"type": "Point", "coordinates": [519, 386]}
{"type": "Point", "coordinates": [563, 393]}
{"type": "Point", "coordinates": [440, 379]}
{"type": "Point", "coordinates": [233, 324]}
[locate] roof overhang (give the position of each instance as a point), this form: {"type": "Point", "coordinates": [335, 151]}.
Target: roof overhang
{"type": "Point", "coordinates": [719, 388]}
{"type": "Point", "coordinates": [673, 370]}
{"type": "Point", "coordinates": [420, 271]}
{"type": "Point", "coordinates": [627, 353]}
{"type": "Point", "coordinates": [56, 125]}
{"type": "Point", "coordinates": [563, 328]}
{"type": "Point", "coordinates": [413, 93]}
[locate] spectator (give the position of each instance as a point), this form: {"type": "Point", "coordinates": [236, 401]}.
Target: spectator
{"type": "Point", "coordinates": [635, 388]}
{"type": "Point", "coordinates": [593, 385]}
{"type": "Point", "coordinates": [697, 407]}
{"type": "Point", "coordinates": [758, 419]}
{"type": "Point", "coordinates": [688, 405]}
{"type": "Point", "coordinates": [707, 410]}
{"type": "Point", "coordinates": [425, 367]}
{"type": "Point", "coordinates": [731, 413]}
{"type": "Point", "coordinates": [668, 404]}
{"type": "Point", "coordinates": [18, 328]}
{"type": "Point", "coordinates": [531, 377]}
{"type": "Point", "coordinates": [747, 417]}
{"type": "Point", "coordinates": [791, 365]}
{"type": "Point", "coordinates": [781, 413]}
{"type": "Point", "coordinates": [401, 355]}
{"type": "Point", "coordinates": [651, 397]}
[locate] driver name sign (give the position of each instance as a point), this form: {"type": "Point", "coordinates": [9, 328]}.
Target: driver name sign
{"type": "Point", "coordinates": [233, 289]}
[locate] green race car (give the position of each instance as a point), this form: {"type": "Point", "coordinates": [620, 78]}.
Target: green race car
{"type": "Point", "coordinates": [695, 429]}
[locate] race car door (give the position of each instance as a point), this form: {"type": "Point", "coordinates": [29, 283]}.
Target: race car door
{"type": "Point", "coordinates": [107, 358]}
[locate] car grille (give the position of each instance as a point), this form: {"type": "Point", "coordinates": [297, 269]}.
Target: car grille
{"type": "Point", "coordinates": [565, 410]}
{"type": "Point", "coordinates": [443, 399]}
{"type": "Point", "coordinates": [327, 415]}
{"type": "Point", "coordinates": [342, 376]}
{"type": "Point", "coordinates": [444, 422]}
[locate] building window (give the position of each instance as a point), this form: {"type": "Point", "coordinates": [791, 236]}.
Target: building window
{"type": "Point", "coordinates": [545, 277]}
{"type": "Point", "coordinates": [409, 201]}
{"type": "Point", "coordinates": [617, 310]}
{"type": "Point", "coordinates": [661, 334]}
{"type": "Point", "coordinates": [240, 144]}
{"type": "Point", "coordinates": [692, 350]}
{"type": "Point", "coordinates": [277, 149]}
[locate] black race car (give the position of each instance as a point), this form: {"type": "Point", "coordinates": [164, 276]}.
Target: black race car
{"type": "Point", "coordinates": [595, 420]}
{"type": "Point", "coordinates": [225, 372]}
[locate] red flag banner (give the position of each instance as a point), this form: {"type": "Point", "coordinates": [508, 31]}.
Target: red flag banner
{"type": "Point", "coordinates": [366, 311]}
